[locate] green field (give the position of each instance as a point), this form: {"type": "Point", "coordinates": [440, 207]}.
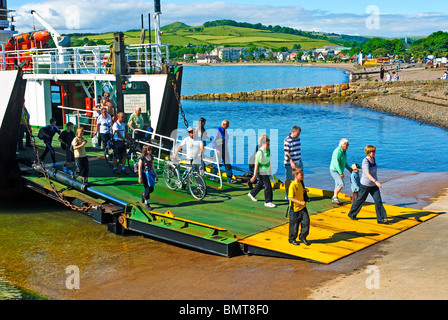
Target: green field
{"type": "Point", "coordinates": [229, 36]}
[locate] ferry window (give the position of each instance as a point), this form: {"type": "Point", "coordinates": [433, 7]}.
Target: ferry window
{"type": "Point", "coordinates": [55, 94]}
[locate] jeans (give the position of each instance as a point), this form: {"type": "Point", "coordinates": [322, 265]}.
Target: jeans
{"type": "Point", "coordinates": [104, 137]}
{"type": "Point", "coordinates": [364, 191]}
{"type": "Point", "coordinates": [48, 148]}
{"type": "Point", "coordinates": [224, 161]}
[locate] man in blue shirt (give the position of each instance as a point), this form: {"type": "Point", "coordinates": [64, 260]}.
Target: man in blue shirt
{"type": "Point", "coordinates": [48, 133]}
{"type": "Point", "coordinates": [220, 144]}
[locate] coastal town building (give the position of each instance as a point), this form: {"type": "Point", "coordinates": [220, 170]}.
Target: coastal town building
{"type": "Point", "coordinates": [207, 58]}
{"type": "Point", "coordinates": [223, 54]}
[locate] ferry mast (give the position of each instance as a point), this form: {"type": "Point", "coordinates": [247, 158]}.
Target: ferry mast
{"type": "Point", "coordinates": [157, 32]}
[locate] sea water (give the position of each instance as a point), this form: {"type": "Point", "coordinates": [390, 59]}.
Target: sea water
{"type": "Point", "coordinates": [402, 144]}
{"type": "Point", "coordinates": [220, 79]}
{"type": "Point", "coordinates": [34, 231]}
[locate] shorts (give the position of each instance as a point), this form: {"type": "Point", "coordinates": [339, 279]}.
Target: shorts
{"type": "Point", "coordinates": [119, 149]}
{"type": "Point", "coordinates": [338, 182]}
{"type": "Point", "coordinates": [288, 169]}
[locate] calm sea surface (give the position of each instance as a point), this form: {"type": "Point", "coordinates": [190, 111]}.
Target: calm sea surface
{"type": "Point", "coordinates": [403, 145]}
{"type": "Point", "coordinates": [220, 79]}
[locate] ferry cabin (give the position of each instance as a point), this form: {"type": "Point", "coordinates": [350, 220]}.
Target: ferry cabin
{"type": "Point", "coordinates": [67, 85]}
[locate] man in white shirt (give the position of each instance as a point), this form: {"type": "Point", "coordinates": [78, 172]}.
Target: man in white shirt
{"type": "Point", "coordinates": [120, 137]}
{"type": "Point", "coordinates": [103, 124]}
{"type": "Point", "coordinates": [195, 148]}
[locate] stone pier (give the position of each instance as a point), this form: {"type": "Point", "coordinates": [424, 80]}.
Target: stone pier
{"type": "Point", "coordinates": [341, 92]}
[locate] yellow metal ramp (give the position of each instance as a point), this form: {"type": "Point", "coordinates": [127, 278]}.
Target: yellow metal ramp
{"type": "Point", "coordinates": [333, 235]}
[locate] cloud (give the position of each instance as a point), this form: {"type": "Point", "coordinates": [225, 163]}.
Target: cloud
{"type": "Point", "coordinates": [103, 16]}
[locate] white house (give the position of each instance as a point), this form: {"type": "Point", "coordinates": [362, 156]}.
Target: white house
{"type": "Point", "coordinates": [207, 58]}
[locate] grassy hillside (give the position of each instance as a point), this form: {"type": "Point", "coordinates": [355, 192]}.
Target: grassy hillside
{"type": "Point", "coordinates": [179, 34]}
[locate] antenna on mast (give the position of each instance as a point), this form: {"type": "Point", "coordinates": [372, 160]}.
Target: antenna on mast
{"type": "Point", "coordinates": [157, 32]}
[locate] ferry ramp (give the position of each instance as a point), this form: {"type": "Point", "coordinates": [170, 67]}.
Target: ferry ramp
{"type": "Point", "coordinates": [226, 222]}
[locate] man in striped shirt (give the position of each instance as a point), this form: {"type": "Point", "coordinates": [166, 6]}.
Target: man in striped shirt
{"type": "Point", "coordinates": [293, 155]}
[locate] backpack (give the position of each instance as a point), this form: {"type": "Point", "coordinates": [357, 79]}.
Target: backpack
{"type": "Point", "coordinates": [41, 135]}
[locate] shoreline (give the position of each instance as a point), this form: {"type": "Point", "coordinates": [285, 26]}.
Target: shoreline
{"type": "Point", "coordinates": [341, 66]}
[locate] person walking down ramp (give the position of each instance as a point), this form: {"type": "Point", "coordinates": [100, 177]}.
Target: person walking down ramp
{"type": "Point", "coordinates": [298, 213]}
{"type": "Point", "coordinates": [293, 155]}
{"type": "Point", "coordinates": [355, 181]}
{"type": "Point", "coordinates": [81, 160]}
{"type": "Point", "coordinates": [66, 139]}
{"type": "Point", "coordinates": [220, 145]}
{"type": "Point", "coordinates": [147, 174]}
{"type": "Point", "coordinates": [263, 171]}
{"type": "Point", "coordinates": [47, 133]}
{"type": "Point", "coordinates": [369, 185]}
{"type": "Point", "coordinates": [337, 166]}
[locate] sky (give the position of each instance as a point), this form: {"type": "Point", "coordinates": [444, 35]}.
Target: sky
{"type": "Point", "coordinates": [392, 18]}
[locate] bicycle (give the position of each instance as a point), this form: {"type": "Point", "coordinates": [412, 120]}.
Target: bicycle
{"type": "Point", "coordinates": [191, 178]}
{"type": "Point", "coordinates": [131, 155]}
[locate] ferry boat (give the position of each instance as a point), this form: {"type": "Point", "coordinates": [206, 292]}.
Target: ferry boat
{"type": "Point", "coordinates": [63, 83]}
{"type": "Point", "coordinates": [64, 80]}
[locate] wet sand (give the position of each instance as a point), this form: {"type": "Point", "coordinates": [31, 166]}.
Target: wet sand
{"type": "Point", "coordinates": [134, 267]}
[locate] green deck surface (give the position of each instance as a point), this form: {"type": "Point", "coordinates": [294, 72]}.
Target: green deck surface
{"type": "Point", "coordinates": [228, 208]}
{"type": "Point", "coordinates": [260, 230]}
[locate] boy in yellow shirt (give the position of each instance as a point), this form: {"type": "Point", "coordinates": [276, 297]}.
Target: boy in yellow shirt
{"type": "Point", "coordinates": [298, 213]}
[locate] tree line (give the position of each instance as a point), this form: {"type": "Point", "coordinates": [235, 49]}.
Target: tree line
{"type": "Point", "coordinates": [435, 44]}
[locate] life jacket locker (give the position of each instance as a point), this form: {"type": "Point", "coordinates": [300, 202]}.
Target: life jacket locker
{"type": "Point", "coordinates": [89, 106]}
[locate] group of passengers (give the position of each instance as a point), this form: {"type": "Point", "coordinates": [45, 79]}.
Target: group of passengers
{"type": "Point", "coordinates": [295, 189]}
{"type": "Point", "coordinates": [296, 193]}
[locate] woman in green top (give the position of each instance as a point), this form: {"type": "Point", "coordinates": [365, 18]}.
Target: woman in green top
{"type": "Point", "coordinates": [337, 167]}
{"type": "Point", "coordinates": [263, 171]}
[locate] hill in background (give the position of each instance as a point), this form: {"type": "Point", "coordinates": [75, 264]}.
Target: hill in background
{"type": "Point", "coordinates": [225, 33]}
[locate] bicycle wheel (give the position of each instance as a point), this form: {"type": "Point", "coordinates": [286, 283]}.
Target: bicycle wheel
{"type": "Point", "coordinates": [109, 154]}
{"type": "Point", "coordinates": [133, 161]}
{"type": "Point", "coordinates": [197, 186]}
{"type": "Point", "coordinates": [170, 176]}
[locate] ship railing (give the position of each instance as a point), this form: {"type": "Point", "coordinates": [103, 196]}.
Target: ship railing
{"type": "Point", "coordinates": [79, 117]}
{"type": "Point", "coordinates": [2, 57]}
{"type": "Point", "coordinates": [157, 142]}
{"type": "Point", "coordinates": [209, 156]}
{"type": "Point", "coordinates": [140, 59]}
